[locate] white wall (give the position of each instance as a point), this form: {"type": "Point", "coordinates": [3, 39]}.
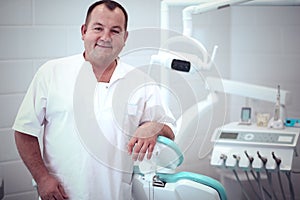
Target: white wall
{"type": "Point", "coordinates": [31, 32]}
{"type": "Point", "coordinates": [256, 44]}
{"type": "Point", "coordinates": [265, 50]}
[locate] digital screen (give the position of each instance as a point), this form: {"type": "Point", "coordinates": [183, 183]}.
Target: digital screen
{"type": "Point", "coordinates": [181, 65]}
{"type": "Point", "coordinates": [246, 114]}
{"type": "Point", "coordinates": [288, 139]}
{"type": "Point", "coordinates": [227, 135]}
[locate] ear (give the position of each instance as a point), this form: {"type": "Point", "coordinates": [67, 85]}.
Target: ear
{"type": "Point", "coordinates": [83, 31]}
{"type": "Point", "coordinates": [125, 36]}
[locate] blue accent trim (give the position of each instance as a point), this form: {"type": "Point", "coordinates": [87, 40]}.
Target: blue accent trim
{"type": "Point", "coordinates": [290, 122]}
{"type": "Point", "coordinates": [170, 143]}
{"type": "Point", "coordinates": [205, 180]}
{"type": "Point", "coordinates": [136, 170]}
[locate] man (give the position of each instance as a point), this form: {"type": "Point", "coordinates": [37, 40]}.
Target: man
{"type": "Point", "coordinates": [67, 169]}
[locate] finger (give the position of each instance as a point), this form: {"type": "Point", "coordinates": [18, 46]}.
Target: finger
{"type": "Point", "coordinates": [49, 196]}
{"type": "Point", "coordinates": [150, 151]}
{"type": "Point", "coordinates": [136, 150]}
{"type": "Point", "coordinates": [62, 191]}
{"type": "Point", "coordinates": [131, 144]}
{"type": "Point", "coordinates": [57, 196]}
{"type": "Point", "coordinates": [142, 152]}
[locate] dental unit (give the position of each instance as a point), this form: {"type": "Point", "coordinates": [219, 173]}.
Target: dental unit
{"type": "Point", "coordinates": [258, 152]}
{"type": "Point", "coordinates": [260, 149]}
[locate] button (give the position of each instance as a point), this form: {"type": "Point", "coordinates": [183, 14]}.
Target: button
{"type": "Point", "coordinates": [249, 136]}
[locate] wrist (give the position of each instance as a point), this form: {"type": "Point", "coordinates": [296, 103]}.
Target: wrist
{"type": "Point", "coordinates": [41, 177]}
{"type": "Point", "coordinates": [167, 132]}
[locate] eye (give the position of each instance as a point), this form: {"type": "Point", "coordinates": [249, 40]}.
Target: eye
{"type": "Point", "coordinates": [98, 29]}
{"type": "Point", "coordinates": [115, 31]}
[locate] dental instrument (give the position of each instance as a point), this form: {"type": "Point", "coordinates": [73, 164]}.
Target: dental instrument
{"type": "Point", "coordinates": [268, 173]}
{"type": "Point", "coordinates": [250, 158]}
{"type": "Point", "coordinates": [278, 162]}
{"type": "Point", "coordinates": [276, 121]}
{"type": "Point", "coordinates": [269, 177]}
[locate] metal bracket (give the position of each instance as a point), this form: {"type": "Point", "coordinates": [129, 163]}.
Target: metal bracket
{"type": "Point", "coordinates": [156, 182]}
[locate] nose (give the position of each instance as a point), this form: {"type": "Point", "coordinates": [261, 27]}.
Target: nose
{"type": "Point", "coordinates": [106, 36]}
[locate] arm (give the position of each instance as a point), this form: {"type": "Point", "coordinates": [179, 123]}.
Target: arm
{"type": "Point", "coordinates": [29, 150]}
{"type": "Point", "coordinates": [144, 139]}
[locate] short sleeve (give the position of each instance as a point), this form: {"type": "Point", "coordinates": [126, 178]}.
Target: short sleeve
{"type": "Point", "coordinates": [31, 115]}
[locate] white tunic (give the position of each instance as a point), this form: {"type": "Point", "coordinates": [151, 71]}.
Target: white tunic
{"type": "Point", "coordinates": [47, 112]}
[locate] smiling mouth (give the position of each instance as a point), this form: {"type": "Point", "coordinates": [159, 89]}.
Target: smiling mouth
{"type": "Point", "coordinates": [104, 46]}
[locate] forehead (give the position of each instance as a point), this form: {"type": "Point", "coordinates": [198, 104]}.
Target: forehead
{"type": "Point", "coordinates": [101, 14]}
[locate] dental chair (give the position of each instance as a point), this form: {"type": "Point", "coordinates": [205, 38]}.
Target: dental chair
{"type": "Point", "coordinates": [156, 178]}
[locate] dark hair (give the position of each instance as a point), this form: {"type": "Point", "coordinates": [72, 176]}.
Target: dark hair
{"type": "Point", "coordinates": [111, 5]}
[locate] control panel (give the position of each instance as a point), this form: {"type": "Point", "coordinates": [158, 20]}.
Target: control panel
{"type": "Point", "coordinates": [266, 138]}
{"type": "Point", "coordinates": [245, 146]}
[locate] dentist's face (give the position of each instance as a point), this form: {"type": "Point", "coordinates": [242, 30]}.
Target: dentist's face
{"type": "Point", "coordinates": [104, 35]}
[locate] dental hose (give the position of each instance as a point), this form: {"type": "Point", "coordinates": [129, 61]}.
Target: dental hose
{"type": "Point", "coordinates": [278, 162]}
{"type": "Point", "coordinates": [288, 175]}
{"type": "Point", "coordinates": [251, 159]}
{"type": "Point", "coordinates": [252, 187]}
{"type": "Point", "coordinates": [238, 179]}
{"type": "Point", "coordinates": [257, 178]}
{"type": "Point", "coordinates": [280, 184]}
{"type": "Point", "coordinates": [260, 185]}
{"type": "Point", "coordinates": [241, 185]}
{"type": "Point", "coordinates": [269, 175]}
{"type": "Point", "coordinates": [264, 161]}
